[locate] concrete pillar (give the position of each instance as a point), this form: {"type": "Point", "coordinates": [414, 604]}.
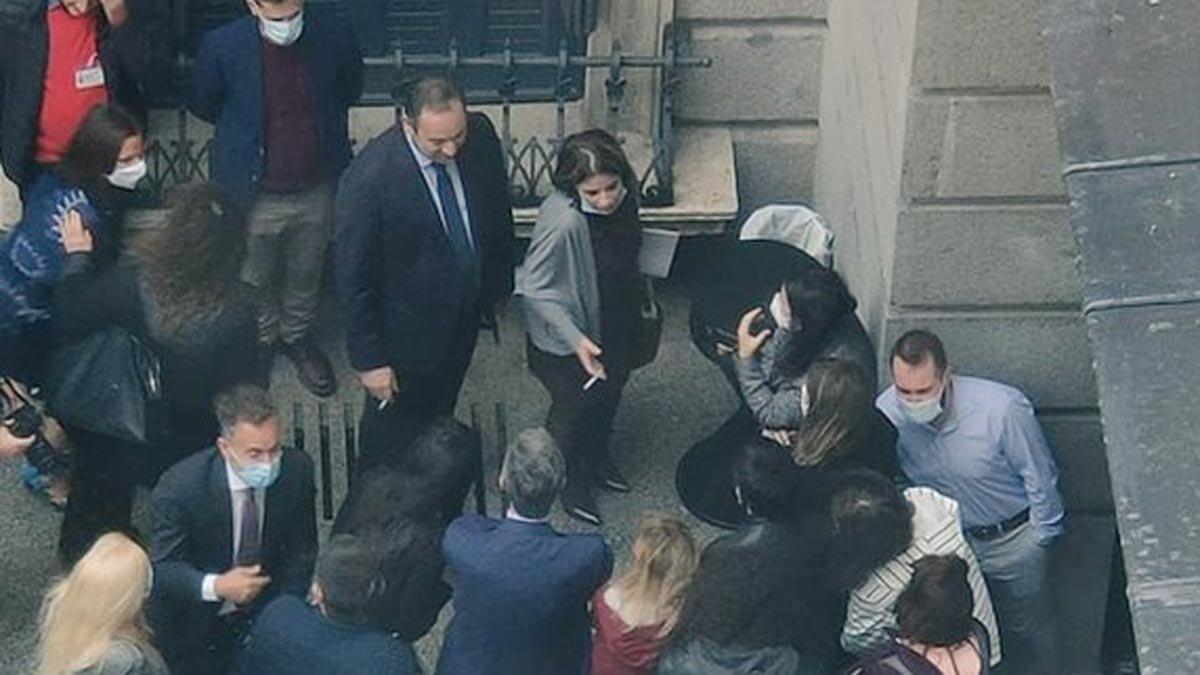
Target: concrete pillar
{"type": "Point", "coordinates": [938, 169]}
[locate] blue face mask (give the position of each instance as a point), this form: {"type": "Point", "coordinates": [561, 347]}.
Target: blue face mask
{"type": "Point", "coordinates": [257, 474]}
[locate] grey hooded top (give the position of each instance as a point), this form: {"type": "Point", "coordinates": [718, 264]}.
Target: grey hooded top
{"type": "Point", "coordinates": [556, 285]}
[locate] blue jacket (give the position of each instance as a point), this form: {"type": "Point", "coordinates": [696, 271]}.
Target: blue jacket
{"type": "Point", "coordinates": [227, 89]}
{"type": "Point", "coordinates": [521, 594]}
{"type": "Point", "coordinates": [291, 637]}
{"type": "Point", "coordinates": [32, 257]}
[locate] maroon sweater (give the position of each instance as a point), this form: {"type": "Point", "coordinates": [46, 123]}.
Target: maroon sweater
{"type": "Point", "coordinates": [290, 130]}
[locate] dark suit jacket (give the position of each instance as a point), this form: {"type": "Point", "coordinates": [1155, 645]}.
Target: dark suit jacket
{"type": "Point", "coordinates": [402, 292]}
{"type": "Point", "coordinates": [227, 90]}
{"type": "Point", "coordinates": [291, 637]}
{"type": "Point", "coordinates": [193, 536]}
{"type": "Point", "coordinates": [137, 61]}
{"type": "Point", "coordinates": [520, 597]}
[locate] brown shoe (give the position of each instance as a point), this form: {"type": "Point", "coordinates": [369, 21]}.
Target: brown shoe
{"type": "Point", "coordinates": [312, 367]}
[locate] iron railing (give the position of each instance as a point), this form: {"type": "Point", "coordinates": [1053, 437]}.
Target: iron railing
{"type": "Point", "coordinates": [529, 160]}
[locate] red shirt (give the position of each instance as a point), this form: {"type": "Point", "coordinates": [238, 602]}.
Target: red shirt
{"type": "Point", "coordinates": [616, 650]}
{"type": "Point", "coordinates": [73, 49]}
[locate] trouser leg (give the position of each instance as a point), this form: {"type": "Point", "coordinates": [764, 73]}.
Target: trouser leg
{"type": "Point", "coordinates": [303, 261]}
{"type": "Point", "coordinates": [261, 266]}
{"type": "Point", "coordinates": [1016, 568]}
{"type": "Point", "coordinates": [567, 420]}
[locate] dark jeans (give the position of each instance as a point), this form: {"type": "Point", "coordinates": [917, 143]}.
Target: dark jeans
{"type": "Point", "coordinates": [102, 479]}
{"type": "Point", "coordinates": [424, 396]}
{"type": "Point", "coordinates": [580, 421]}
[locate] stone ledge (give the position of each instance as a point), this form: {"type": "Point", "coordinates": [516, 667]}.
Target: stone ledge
{"type": "Point", "coordinates": [754, 9]}
{"type": "Point", "coordinates": [706, 198]}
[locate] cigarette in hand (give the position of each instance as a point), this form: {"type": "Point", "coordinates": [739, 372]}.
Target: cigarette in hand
{"type": "Point", "coordinates": [590, 383]}
{"type": "Point", "coordinates": [383, 404]}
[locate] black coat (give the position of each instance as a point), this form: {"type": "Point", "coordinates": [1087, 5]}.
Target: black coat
{"type": "Point", "coordinates": [398, 283]}
{"type": "Point", "coordinates": [765, 585]}
{"type": "Point", "coordinates": [193, 536]}
{"type": "Point", "coordinates": [137, 61]}
{"type": "Point", "coordinates": [211, 354]}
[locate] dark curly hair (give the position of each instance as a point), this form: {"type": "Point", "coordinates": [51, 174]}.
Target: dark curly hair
{"type": "Point", "coordinates": [192, 266]}
{"type": "Point", "coordinates": [936, 606]}
{"type": "Point", "coordinates": [872, 523]}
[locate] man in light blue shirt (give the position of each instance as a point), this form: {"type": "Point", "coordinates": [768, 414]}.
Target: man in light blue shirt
{"type": "Point", "coordinates": [979, 443]}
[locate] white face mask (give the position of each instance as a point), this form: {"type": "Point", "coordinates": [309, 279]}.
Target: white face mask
{"type": "Point", "coordinates": [922, 412]}
{"type": "Point", "coordinates": [127, 176]}
{"type": "Point", "coordinates": [282, 32]}
{"type": "Point", "coordinates": [781, 310]}
{"type": "Point", "coordinates": [586, 206]}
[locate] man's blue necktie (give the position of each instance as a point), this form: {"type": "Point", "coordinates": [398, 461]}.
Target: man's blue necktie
{"type": "Point", "coordinates": [456, 227]}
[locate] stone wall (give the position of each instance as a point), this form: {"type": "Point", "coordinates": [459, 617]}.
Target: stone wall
{"type": "Point", "coordinates": [939, 171]}
{"type": "Point", "coordinates": [764, 87]}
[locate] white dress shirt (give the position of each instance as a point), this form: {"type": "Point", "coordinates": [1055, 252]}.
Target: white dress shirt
{"type": "Point", "coordinates": [208, 585]}
{"type": "Point", "coordinates": [429, 173]}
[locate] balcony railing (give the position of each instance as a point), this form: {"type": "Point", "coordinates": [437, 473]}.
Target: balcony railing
{"type": "Point", "coordinates": [529, 160]}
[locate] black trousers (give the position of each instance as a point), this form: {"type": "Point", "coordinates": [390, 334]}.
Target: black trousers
{"type": "Point", "coordinates": [425, 395]}
{"type": "Point", "coordinates": [103, 476]}
{"type": "Point", "coordinates": [579, 421]}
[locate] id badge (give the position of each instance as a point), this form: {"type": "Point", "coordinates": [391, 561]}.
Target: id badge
{"type": "Point", "coordinates": [89, 77]}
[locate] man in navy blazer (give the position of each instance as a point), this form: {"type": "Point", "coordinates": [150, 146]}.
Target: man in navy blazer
{"type": "Point", "coordinates": [233, 527]}
{"type": "Point", "coordinates": [334, 635]}
{"type": "Point", "coordinates": [521, 589]}
{"type": "Point", "coordinates": [424, 250]}
{"type": "Point", "coordinates": [278, 86]}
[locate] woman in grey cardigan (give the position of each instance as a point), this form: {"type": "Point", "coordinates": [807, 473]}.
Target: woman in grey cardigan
{"type": "Point", "coordinates": [581, 294]}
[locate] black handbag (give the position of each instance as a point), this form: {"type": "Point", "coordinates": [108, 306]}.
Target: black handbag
{"type": "Point", "coordinates": [107, 383]}
{"type": "Point", "coordinates": [649, 330]}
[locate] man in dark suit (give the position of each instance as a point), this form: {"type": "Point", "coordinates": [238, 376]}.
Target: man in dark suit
{"type": "Point", "coordinates": [278, 86]}
{"type": "Point", "coordinates": [424, 250]}
{"type": "Point", "coordinates": [333, 636]}
{"type": "Point", "coordinates": [521, 589]}
{"type": "Point", "coordinates": [233, 527]}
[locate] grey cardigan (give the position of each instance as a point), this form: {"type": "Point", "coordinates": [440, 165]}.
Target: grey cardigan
{"type": "Point", "coordinates": [556, 285]}
{"type": "Point", "coordinates": [774, 400]}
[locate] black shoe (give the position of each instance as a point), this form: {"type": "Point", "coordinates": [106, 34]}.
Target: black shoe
{"type": "Point", "coordinates": [312, 367]}
{"type": "Point", "coordinates": [581, 505]}
{"type": "Point", "coordinates": [609, 477]}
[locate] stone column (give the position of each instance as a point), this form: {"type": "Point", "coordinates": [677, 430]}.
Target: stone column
{"type": "Point", "coordinates": [939, 173]}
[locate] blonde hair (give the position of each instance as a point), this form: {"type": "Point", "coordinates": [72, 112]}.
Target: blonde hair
{"type": "Point", "coordinates": [100, 602]}
{"type": "Point", "coordinates": [664, 560]}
